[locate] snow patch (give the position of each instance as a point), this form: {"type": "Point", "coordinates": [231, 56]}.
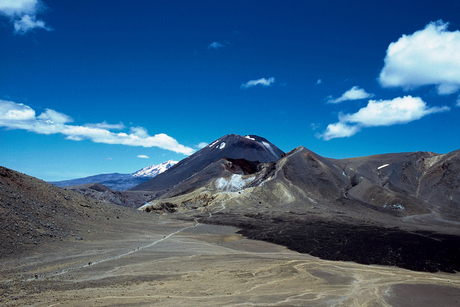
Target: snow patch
{"type": "Point", "coordinates": [153, 170]}
{"type": "Point", "coordinates": [382, 166]}
{"type": "Point", "coordinates": [270, 149]}
{"type": "Point", "coordinates": [235, 183]}
{"type": "Point", "coordinates": [222, 145]}
{"type": "Point", "coordinates": [248, 137]}
{"type": "Point", "coordinates": [214, 143]}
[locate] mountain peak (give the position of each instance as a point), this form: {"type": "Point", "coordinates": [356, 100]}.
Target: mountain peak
{"type": "Point", "coordinates": [153, 170]}
{"type": "Point", "coordinates": [231, 146]}
{"type": "Point", "coordinates": [120, 182]}
{"type": "Point", "coordinates": [249, 147]}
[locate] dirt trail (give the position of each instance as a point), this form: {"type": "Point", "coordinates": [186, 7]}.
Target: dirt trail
{"type": "Point", "coordinates": [189, 264]}
{"type": "Point", "coordinates": [117, 256]}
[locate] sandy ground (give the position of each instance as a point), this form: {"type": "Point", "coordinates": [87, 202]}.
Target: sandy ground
{"type": "Point", "coordinates": [173, 263]}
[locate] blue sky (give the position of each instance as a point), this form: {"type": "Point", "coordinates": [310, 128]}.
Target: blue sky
{"type": "Point", "coordinates": [90, 87]}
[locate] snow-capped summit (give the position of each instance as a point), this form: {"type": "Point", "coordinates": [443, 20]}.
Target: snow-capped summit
{"type": "Point", "coordinates": [232, 146]}
{"type": "Point", "coordinates": [120, 182]}
{"type": "Point", "coordinates": [153, 170]}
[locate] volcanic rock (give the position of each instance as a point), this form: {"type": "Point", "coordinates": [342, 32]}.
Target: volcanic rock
{"type": "Point", "coordinates": [250, 148]}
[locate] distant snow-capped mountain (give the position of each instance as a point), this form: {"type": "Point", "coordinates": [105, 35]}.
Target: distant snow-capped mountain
{"type": "Point", "coordinates": [120, 182]}
{"type": "Point", "coordinates": [153, 170]}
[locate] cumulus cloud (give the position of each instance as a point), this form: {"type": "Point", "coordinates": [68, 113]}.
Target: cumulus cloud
{"type": "Point", "coordinates": [427, 57]}
{"type": "Point", "coordinates": [400, 110]}
{"type": "Point", "coordinates": [262, 82]}
{"type": "Point", "coordinates": [22, 14]}
{"type": "Point", "coordinates": [11, 111]}
{"type": "Point", "coordinates": [355, 93]}
{"type": "Point", "coordinates": [143, 156]}
{"type": "Point", "coordinates": [339, 130]}
{"type": "Point", "coordinates": [319, 81]}
{"type": "Point", "coordinates": [51, 116]}
{"type": "Point", "coordinates": [19, 116]}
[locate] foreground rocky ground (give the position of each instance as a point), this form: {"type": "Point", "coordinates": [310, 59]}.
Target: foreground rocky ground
{"type": "Point", "coordinates": [162, 262]}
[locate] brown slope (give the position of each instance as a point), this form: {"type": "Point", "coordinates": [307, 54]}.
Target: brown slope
{"type": "Point", "coordinates": [387, 181]}
{"type": "Point", "coordinates": [439, 183]}
{"type": "Point", "coordinates": [34, 213]}
{"type": "Point", "coordinates": [399, 172]}
{"type": "Point", "coordinates": [418, 183]}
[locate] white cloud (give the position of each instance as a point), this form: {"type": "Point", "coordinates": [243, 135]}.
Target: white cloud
{"type": "Point", "coordinates": [22, 13]}
{"type": "Point", "coordinates": [52, 116]}
{"type": "Point", "coordinates": [319, 81]}
{"type": "Point", "coordinates": [400, 110]}
{"type": "Point", "coordinates": [143, 156]}
{"type": "Point", "coordinates": [202, 145]}
{"type": "Point", "coordinates": [355, 93]}
{"type": "Point", "coordinates": [215, 45]}
{"type": "Point", "coordinates": [263, 82]}
{"type": "Point", "coordinates": [427, 57]}
{"type": "Point", "coordinates": [27, 23]}
{"type": "Point", "coordinates": [19, 116]}
{"type": "Point", "coordinates": [105, 125]}
{"type": "Point", "coordinates": [458, 102]}
{"type": "Point", "coordinates": [447, 89]}
{"type": "Point", "coordinates": [11, 111]}
{"type": "Point", "coordinates": [18, 7]}
{"type": "Point", "coordinates": [338, 130]}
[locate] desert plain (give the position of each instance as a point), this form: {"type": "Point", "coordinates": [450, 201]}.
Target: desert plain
{"type": "Point", "coordinates": [146, 259]}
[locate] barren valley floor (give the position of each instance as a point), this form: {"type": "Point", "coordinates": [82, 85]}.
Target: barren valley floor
{"type": "Point", "coordinates": [155, 261]}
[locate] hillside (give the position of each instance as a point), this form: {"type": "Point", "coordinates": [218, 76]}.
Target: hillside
{"type": "Point", "coordinates": [34, 213]}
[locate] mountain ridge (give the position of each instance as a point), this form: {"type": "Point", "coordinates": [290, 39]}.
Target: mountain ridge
{"type": "Point", "coordinates": [117, 181]}
{"type": "Point", "coordinates": [380, 181]}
